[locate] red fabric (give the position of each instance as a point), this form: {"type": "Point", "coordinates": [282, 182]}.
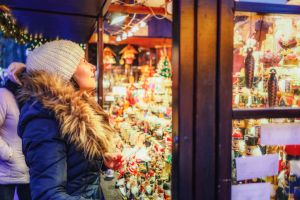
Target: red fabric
{"type": "Point", "coordinates": [238, 62]}
{"type": "Point", "coordinates": [292, 150]}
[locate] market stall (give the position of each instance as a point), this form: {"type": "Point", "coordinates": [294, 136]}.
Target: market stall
{"type": "Point", "coordinates": [136, 79]}
{"type": "Point", "coordinates": [137, 93]}
{"type": "Point", "coordinates": [265, 101]}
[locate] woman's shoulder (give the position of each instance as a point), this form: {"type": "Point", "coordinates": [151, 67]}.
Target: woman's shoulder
{"type": "Point", "coordinates": [6, 94]}
{"type": "Point", "coordinates": [7, 99]}
{"type": "Point", "coordinates": [33, 112]}
{"type": "Point", "coordinates": [34, 108]}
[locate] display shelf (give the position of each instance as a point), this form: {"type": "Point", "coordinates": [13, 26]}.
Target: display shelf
{"type": "Point", "coordinates": [265, 113]}
{"type": "Point", "coordinates": [264, 8]}
{"type": "Point", "coordinates": [139, 99]}
{"type": "Point", "coordinates": [266, 67]}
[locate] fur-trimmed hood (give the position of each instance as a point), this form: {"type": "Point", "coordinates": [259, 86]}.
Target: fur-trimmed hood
{"type": "Point", "coordinates": [81, 120]}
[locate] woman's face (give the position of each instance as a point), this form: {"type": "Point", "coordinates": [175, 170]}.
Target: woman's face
{"type": "Point", "coordinates": [85, 75]}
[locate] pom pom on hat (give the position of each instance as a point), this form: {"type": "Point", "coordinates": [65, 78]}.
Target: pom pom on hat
{"type": "Point", "coordinates": [59, 57]}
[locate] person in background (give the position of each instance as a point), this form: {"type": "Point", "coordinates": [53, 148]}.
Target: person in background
{"type": "Point", "coordinates": [66, 135]}
{"type": "Point", "coordinates": [14, 173]}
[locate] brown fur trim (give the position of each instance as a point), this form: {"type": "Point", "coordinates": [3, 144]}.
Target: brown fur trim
{"type": "Point", "coordinates": [82, 121]}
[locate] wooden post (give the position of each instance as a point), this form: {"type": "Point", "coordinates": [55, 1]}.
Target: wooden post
{"type": "Point", "coordinates": [224, 92]}
{"type": "Point", "coordinates": [100, 59]}
{"type": "Point", "coordinates": [205, 99]}
{"type": "Point", "coordinates": [183, 99]}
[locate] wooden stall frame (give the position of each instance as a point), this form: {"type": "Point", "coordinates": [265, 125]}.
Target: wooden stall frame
{"type": "Point", "coordinates": [224, 77]}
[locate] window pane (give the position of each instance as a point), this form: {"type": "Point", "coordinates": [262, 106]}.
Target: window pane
{"type": "Point", "coordinates": [248, 141]}
{"type": "Point", "coordinates": [266, 67]}
{"type": "Point", "coordinates": [138, 97]}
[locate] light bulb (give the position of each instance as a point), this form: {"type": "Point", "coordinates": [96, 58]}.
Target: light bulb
{"type": "Point", "coordinates": [124, 36]}
{"type": "Point", "coordinates": [118, 38]}
{"type": "Point", "coordinates": [129, 34]}
{"type": "Point", "coordinates": [142, 24]}
{"type": "Point", "coordinates": [134, 29]}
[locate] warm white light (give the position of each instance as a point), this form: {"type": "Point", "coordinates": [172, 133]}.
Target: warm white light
{"type": "Point", "coordinates": [124, 36]}
{"type": "Point", "coordinates": [117, 18]}
{"type": "Point", "coordinates": [129, 34]}
{"type": "Point", "coordinates": [134, 29]}
{"type": "Point", "coordinates": [143, 24]}
{"type": "Point", "coordinates": [118, 38]}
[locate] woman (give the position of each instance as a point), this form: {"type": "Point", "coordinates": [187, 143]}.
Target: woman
{"type": "Point", "coordinates": [13, 170]}
{"type": "Point", "coordinates": [66, 135]}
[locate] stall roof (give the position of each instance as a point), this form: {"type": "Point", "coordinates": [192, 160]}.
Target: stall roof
{"type": "Point", "coordinates": [66, 19]}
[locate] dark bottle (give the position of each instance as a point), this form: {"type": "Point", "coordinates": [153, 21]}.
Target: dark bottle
{"type": "Point", "coordinates": [272, 88]}
{"type": "Point", "coordinates": [249, 68]}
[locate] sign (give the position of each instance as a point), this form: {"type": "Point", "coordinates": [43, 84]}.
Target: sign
{"type": "Point", "coordinates": [256, 166]}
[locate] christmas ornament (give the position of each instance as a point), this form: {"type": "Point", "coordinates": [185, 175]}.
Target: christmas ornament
{"type": "Point", "coordinates": [164, 64]}
{"type": "Point", "coordinates": [108, 58]}
{"type": "Point", "coordinates": [128, 54]}
{"type": "Point", "coordinates": [249, 68]}
{"type": "Point", "coordinates": [270, 59]}
{"type": "Point", "coordinates": [272, 88]}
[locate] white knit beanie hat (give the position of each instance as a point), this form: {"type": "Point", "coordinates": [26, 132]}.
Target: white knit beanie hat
{"type": "Point", "coordinates": [60, 57]}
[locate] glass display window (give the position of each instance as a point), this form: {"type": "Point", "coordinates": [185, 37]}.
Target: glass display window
{"type": "Point", "coordinates": [266, 67]}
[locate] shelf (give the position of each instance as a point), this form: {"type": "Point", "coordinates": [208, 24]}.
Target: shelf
{"type": "Point", "coordinates": [267, 8]}
{"type": "Point", "coordinates": [266, 113]}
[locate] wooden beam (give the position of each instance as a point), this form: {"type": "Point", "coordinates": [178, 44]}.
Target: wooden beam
{"type": "Point", "coordinates": [224, 96]}
{"type": "Point", "coordinates": [100, 59]}
{"type": "Point", "coordinates": [144, 41]}
{"type": "Point", "coordinates": [137, 9]}
{"type": "Point", "coordinates": [140, 41]}
{"type": "Point", "coordinates": [258, 113]}
{"type": "Point", "coordinates": [183, 69]}
{"type": "Point", "coordinates": [206, 99]}
{"type": "Point", "coordinates": [105, 7]}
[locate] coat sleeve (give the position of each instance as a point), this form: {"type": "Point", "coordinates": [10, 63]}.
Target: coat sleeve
{"type": "Point", "coordinates": [5, 150]}
{"type": "Point", "coordinates": [45, 154]}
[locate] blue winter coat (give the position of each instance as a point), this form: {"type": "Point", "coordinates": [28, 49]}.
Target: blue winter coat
{"type": "Point", "coordinates": [64, 135]}
{"type": "Point", "coordinates": [57, 170]}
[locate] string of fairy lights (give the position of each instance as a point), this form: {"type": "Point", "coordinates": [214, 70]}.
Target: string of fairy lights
{"type": "Point", "coordinates": [10, 29]}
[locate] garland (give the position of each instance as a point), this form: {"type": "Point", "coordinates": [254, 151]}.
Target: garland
{"type": "Point", "coordinates": [21, 36]}
{"type": "Point", "coordinates": [10, 30]}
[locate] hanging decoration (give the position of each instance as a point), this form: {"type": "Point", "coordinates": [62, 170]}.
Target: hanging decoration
{"type": "Point", "coordinates": [164, 64]}
{"type": "Point", "coordinates": [108, 58]}
{"type": "Point", "coordinates": [21, 36]}
{"type": "Point", "coordinates": [249, 68]}
{"type": "Point", "coordinates": [272, 88]}
{"type": "Point", "coordinates": [128, 54]}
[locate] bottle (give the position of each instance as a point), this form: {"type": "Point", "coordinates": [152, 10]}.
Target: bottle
{"type": "Point", "coordinates": [272, 88]}
{"type": "Point", "coordinates": [249, 68]}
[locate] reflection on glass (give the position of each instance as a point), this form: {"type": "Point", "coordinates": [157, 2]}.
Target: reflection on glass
{"type": "Point", "coordinates": [246, 142]}
{"type": "Point", "coordinates": [266, 68]}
